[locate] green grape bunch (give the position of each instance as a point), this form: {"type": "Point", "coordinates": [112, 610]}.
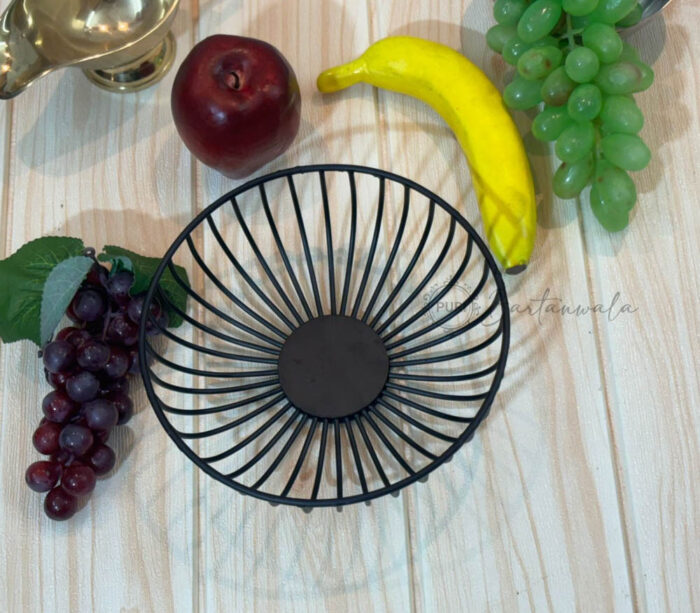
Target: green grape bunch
{"type": "Point", "coordinates": [570, 57]}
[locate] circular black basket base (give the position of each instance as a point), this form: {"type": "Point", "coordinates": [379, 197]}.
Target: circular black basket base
{"type": "Point", "coordinates": [333, 366]}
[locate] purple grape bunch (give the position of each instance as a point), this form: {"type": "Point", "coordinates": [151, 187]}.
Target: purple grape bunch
{"type": "Point", "coordinates": [88, 365]}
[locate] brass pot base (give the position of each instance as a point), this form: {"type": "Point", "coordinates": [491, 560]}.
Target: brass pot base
{"type": "Point", "coordinates": [139, 74]}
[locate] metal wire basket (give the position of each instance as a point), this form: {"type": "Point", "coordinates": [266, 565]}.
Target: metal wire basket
{"type": "Point", "coordinates": [346, 333]}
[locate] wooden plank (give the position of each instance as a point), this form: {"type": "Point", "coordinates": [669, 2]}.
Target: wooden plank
{"type": "Point", "coordinates": [254, 557]}
{"type": "Point", "coordinates": [110, 169]}
{"type": "Point", "coordinates": [650, 357]}
{"type": "Point", "coordinates": [526, 517]}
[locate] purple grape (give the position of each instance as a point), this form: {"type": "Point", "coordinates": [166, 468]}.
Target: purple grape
{"type": "Point", "coordinates": [78, 337]}
{"type": "Point", "coordinates": [65, 333]}
{"type": "Point", "coordinates": [118, 286]}
{"type": "Point", "coordinates": [57, 380]}
{"type": "Point", "coordinates": [45, 438]}
{"type": "Point", "coordinates": [60, 505]}
{"type": "Point", "coordinates": [76, 439]}
{"type": "Point", "coordinates": [42, 476]}
{"type": "Point", "coordinates": [58, 407]}
{"type": "Point", "coordinates": [118, 364]}
{"type": "Point", "coordinates": [89, 305]}
{"type": "Point", "coordinates": [100, 414]}
{"type": "Point", "coordinates": [102, 459]}
{"type": "Point", "coordinates": [78, 480]}
{"type": "Point", "coordinates": [93, 355]}
{"type": "Point", "coordinates": [135, 308]}
{"type": "Point", "coordinates": [62, 457]}
{"type": "Point", "coordinates": [122, 330]}
{"type": "Point", "coordinates": [124, 406]}
{"type": "Point", "coordinates": [117, 386]}
{"type": "Point", "coordinates": [83, 386]}
{"type": "Point", "coordinates": [102, 436]}
{"type": "Point", "coordinates": [97, 275]}
{"type": "Point", "coordinates": [59, 356]}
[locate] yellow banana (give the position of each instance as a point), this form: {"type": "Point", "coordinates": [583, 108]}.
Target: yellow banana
{"type": "Point", "coordinates": [472, 107]}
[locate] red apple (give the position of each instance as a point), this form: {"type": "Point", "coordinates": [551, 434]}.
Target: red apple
{"type": "Point", "coordinates": [236, 103]}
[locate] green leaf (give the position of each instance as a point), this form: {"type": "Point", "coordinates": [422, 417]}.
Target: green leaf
{"type": "Point", "coordinates": [22, 279]}
{"type": "Point", "coordinates": [144, 269]}
{"type": "Point", "coordinates": [60, 288]}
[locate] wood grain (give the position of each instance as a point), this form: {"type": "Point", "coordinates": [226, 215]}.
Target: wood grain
{"type": "Point", "coordinates": [579, 493]}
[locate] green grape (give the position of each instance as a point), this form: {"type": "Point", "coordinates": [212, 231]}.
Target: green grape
{"type": "Point", "coordinates": [582, 65]}
{"type": "Point", "coordinates": [575, 142]}
{"type": "Point", "coordinates": [509, 12]}
{"type": "Point", "coordinates": [624, 77]}
{"type": "Point", "coordinates": [612, 11]}
{"type": "Point", "coordinates": [626, 151]}
{"type": "Point", "coordinates": [557, 87]}
{"type": "Point", "coordinates": [579, 8]}
{"type": "Point", "coordinates": [522, 94]}
{"type": "Point", "coordinates": [632, 18]}
{"type": "Point", "coordinates": [621, 114]}
{"type": "Point", "coordinates": [578, 23]}
{"type": "Point", "coordinates": [570, 179]}
{"type": "Point", "coordinates": [604, 41]}
{"type": "Point", "coordinates": [538, 62]}
{"type": "Point", "coordinates": [629, 53]}
{"type": "Point", "coordinates": [612, 217]}
{"type": "Point", "coordinates": [585, 102]}
{"type": "Point", "coordinates": [550, 123]}
{"type": "Point", "coordinates": [539, 20]}
{"type": "Point", "coordinates": [513, 49]}
{"type": "Point", "coordinates": [498, 36]}
{"type": "Point", "coordinates": [614, 186]}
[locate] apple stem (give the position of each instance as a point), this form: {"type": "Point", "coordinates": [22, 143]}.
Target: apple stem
{"type": "Point", "coordinates": [233, 80]}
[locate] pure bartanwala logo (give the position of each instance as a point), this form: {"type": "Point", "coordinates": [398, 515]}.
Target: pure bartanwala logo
{"type": "Point", "coordinates": [454, 306]}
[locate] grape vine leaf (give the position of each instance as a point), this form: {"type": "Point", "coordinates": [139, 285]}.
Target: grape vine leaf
{"type": "Point", "coordinates": [23, 277]}
{"type": "Point", "coordinates": [144, 269]}
{"type": "Point", "coordinates": [60, 288]}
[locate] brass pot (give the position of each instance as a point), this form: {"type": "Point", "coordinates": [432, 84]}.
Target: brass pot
{"type": "Point", "coordinates": [121, 45]}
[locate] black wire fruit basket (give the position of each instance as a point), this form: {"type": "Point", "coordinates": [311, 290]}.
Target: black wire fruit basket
{"type": "Point", "coordinates": [346, 332]}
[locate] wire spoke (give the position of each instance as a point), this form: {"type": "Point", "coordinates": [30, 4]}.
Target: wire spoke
{"type": "Point", "coordinates": [351, 244]}
{"type": "Point", "coordinates": [252, 436]}
{"type": "Point", "coordinates": [392, 254]}
{"type": "Point", "coordinates": [236, 301]}
{"type": "Point", "coordinates": [302, 456]}
{"type": "Point", "coordinates": [415, 423]}
{"type": "Point", "coordinates": [305, 244]}
{"type": "Point", "coordinates": [431, 273]}
{"type": "Point", "coordinates": [287, 446]}
{"type": "Point", "coordinates": [427, 410]}
{"type": "Point", "coordinates": [198, 391]}
{"type": "Point", "coordinates": [221, 354]}
{"type": "Point", "coordinates": [224, 407]}
{"type": "Point", "coordinates": [443, 378]}
{"type": "Point", "coordinates": [443, 320]}
{"type": "Point", "coordinates": [450, 356]}
{"type": "Point", "coordinates": [409, 268]}
{"type": "Point", "coordinates": [247, 279]}
{"type": "Point", "coordinates": [208, 373]}
{"type": "Point", "coordinates": [435, 299]}
{"type": "Point", "coordinates": [329, 240]}
{"type": "Point", "coordinates": [356, 456]}
{"type": "Point", "coordinates": [372, 249]}
{"type": "Point", "coordinates": [402, 435]}
{"type": "Point", "coordinates": [283, 252]}
{"type": "Point", "coordinates": [221, 335]}
{"type": "Point", "coordinates": [338, 460]}
{"type": "Point", "coordinates": [372, 453]}
{"type": "Point", "coordinates": [321, 461]}
{"type": "Point", "coordinates": [268, 446]}
{"type": "Point", "coordinates": [389, 446]}
{"type": "Point", "coordinates": [436, 395]}
{"type": "Point", "coordinates": [263, 262]}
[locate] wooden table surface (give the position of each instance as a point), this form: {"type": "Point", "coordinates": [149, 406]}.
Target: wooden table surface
{"type": "Point", "coordinates": [582, 489]}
